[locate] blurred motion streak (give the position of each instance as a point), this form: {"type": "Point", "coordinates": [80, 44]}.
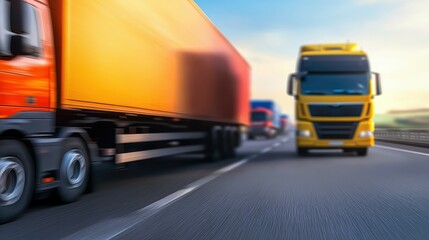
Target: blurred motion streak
{"type": "Point", "coordinates": [177, 48]}
{"type": "Point", "coordinates": [113, 81]}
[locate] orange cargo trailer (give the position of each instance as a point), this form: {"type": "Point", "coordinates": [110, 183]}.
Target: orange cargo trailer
{"type": "Point", "coordinates": [87, 81]}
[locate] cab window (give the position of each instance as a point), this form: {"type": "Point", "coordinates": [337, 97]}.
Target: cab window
{"type": "Point", "coordinates": [32, 26]}
{"type": "Point", "coordinates": [32, 36]}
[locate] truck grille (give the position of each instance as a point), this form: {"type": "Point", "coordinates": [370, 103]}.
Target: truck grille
{"type": "Point", "coordinates": [336, 130]}
{"type": "Point", "coordinates": [335, 110]}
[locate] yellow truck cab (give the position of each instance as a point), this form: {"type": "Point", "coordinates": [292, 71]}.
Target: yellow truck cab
{"type": "Point", "coordinates": [334, 90]}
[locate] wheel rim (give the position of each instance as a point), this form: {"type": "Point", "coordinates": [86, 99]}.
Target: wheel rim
{"type": "Point", "coordinates": [74, 168]}
{"type": "Point", "coordinates": [12, 180]}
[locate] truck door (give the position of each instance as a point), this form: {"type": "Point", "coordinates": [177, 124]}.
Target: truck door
{"type": "Point", "coordinates": [24, 79]}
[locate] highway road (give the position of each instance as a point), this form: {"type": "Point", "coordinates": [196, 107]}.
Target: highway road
{"type": "Point", "coordinates": [266, 192]}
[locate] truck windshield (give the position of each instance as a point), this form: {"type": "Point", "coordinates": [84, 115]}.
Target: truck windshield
{"type": "Point", "coordinates": [335, 84]}
{"type": "Point", "coordinates": [259, 116]}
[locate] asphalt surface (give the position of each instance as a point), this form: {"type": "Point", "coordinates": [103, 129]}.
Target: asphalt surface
{"type": "Point", "coordinates": [266, 192]}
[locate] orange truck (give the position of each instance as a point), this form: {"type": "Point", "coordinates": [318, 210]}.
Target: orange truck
{"type": "Point", "coordinates": [90, 81]}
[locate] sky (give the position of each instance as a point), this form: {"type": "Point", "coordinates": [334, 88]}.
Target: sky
{"type": "Point", "coordinates": [268, 33]}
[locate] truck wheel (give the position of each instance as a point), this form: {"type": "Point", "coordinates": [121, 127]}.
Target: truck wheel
{"type": "Point", "coordinates": [227, 143]}
{"type": "Point", "coordinates": [231, 143]}
{"type": "Point", "coordinates": [362, 151]}
{"type": "Point", "coordinates": [224, 143]}
{"type": "Point", "coordinates": [16, 179]}
{"type": "Point", "coordinates": [302, 151]}
{"type": "Point", "coordinates": [212, 152]}
{"type": "Point", "coordinates": [74, 171]}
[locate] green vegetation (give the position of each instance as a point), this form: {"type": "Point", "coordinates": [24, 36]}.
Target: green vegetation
{"type": "Point", "coordinates": [403, 119]}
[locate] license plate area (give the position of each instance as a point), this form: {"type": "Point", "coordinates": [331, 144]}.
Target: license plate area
{"type": "Point", "coordinates": [336, 143]}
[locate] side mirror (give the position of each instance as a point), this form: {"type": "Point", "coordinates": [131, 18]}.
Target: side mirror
{"type": "Point", "coordinates": [378, 84]}
{"type": "Point", "coordinates": [17, 16]}
{"type": "Point", "coordinates": [290, 84]}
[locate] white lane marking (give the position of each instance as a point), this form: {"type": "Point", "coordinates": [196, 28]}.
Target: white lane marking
{"type": "Point", "coordinates": [110, 229]}
{"type": "Point", "coordinates": [403, 150]}
{"type": "Point", "coordinates": [203, 181]}
{"type": "Point", "coordinates": [266, 150]}
{"type": "Point", "coordinates": [232, 166]}
{"type": "Point", "coordinates": [275, 145]}
{"type": "Point", "coordinates": [167, 200]}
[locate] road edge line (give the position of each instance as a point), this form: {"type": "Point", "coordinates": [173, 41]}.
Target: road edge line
{"type": "Point", "coordinates": [403, 150]}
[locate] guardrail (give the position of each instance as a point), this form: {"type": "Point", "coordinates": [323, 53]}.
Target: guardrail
{"type": "Point", "coordinates": [417, 137]}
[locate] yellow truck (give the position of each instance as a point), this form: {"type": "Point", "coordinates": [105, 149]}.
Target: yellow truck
{"type": "Point", "coordinates": [334, 90]}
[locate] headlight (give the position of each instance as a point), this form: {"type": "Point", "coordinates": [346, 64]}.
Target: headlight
{"type": "Point", "coordinates": [304, 133]}
{"type": "Point", "coordinates": [366, 134]}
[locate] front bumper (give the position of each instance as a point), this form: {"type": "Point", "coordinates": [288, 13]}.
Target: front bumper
{"type": "Point", "coordinates": [313, 141]}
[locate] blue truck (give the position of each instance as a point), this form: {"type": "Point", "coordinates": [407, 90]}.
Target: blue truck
{"type": "Point", "coordinates": [265, 119]}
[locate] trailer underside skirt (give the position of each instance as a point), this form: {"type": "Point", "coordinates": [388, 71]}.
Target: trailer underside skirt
{"type": "Point", "coordinates": [142, 155]}
{"type": "Point", "coordinates": [152, 137]}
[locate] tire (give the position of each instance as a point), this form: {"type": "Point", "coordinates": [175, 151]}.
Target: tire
{"type": "Point", "coordinates": [212, 152]}
{"type": "Point", "coordinates": [224, 143]}
{"type": "Point", "coordinates": [17, 171]}
{"type": "Point", "coordinates": [362, 152]}
{"type": "Point", "coordinates": [231, 143]}
{"type": "Point", "coordinates": [74, 171]}
{"type": "Point", "coordinates": [302, 151]}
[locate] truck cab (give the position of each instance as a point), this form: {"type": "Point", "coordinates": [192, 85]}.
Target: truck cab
{"type": "Point", "coordinates": [27, 77]}
{"type": "Point", "coordinates": [262, 123]}
{"type": "Point", "coordinates": [334, 90]}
